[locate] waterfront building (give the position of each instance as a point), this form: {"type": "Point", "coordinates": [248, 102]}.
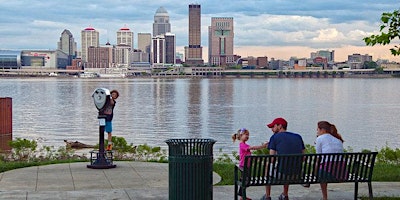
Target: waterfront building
{"type": "Point", "coordinates": [50, 59]}
{"type": "Point", "coordinates": [125, 37]}
{"type": "Point", "coordinates": [100, 57]}
{"type": "Point", "coordinates": [164, 49]}
{"type": "Point", "coordinates": [159, 50]}
{"type": "Point", "coordinates": [220, 41]}
{"type": "Point", "coordinates": [161, 23]}
{"type": "Point", "coordinates": [194, 52]}
{"type": "Point", "coordinates": [122, 56]}
{"type": "Point", "coordinates": [10, 59]}
{"type": "Point", "coordinates": [329, 55]}
{"type": "Point", "coordinates": [356, 61]}
{"type": "Point", "coordinates": [144, 42]}
{"type": "Point", "coordinates": [170, 48]}
{"type": "Point", "coordinates": [139, 56]}
{"type": "Point", "coordinates": [252, 62]}
{"type": "Point", "coordinates": [144, 48]}
{"type": "Point", "coordinates": [89, 38]}
{"type": "Point", "coordinates": [179, 58]}
{"type": "Point", "coordinates": [262, 62]}
{"type": "Point", "coordinates": [67, 44]}
{"type": "Point", "coordinates": [323, 58]}
{"type": "Point", "coordinates": [278, 64]}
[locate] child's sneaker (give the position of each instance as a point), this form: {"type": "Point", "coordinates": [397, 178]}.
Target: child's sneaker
{"type": "Point", "coordinates": [109, 147]}
{"type": "Point", "coordinates": [264, 197]}
{"type": "Point", "coordinates": [283, 197]}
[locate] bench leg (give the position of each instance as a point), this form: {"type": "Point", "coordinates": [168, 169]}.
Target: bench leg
{"type": "Point", "coordinates": [236, 185]}
{"type": "Point", "coordinates": [355, 190]}
{"type": "Point", "coordinates": [371, 195]}
{"type": "Point", "coordinates": [236, 191]}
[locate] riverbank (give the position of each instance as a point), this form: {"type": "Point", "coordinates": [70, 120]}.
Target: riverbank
{"type": "Point", "coordinates": [231, 76]}
{"type": "Point", "coordinates": [204, 72]}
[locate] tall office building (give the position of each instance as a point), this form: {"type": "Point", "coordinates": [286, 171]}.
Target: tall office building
{"type": "Point", "coordinates": [159, 50]}
{"type": "Point", "coordinates": [100, 57]}
{"type": "Point", "coordinates": [144, 42]}
{"type": "Point", "coordinates": [144, 47]}
{"type": "Point", "coordinates": [161, 23]}
{"type": "Point", "coordinates": [170, 48]}
{"type": "Point", "coordinates": [220, 41]}
{"type": "Point", "coordinates": [90, 38]}
{"type": "Point", "coordinates": [67, 45]}
{"type": "Point", "coordinates": [125, 37]}
{"type": "Point", "coordinates": [193, 52]}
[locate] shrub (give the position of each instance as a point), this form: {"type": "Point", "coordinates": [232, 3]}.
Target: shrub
{"type": "Point", "coordinates": [23, 149]}
{"type": "Point", "coordinates": [389, 156]}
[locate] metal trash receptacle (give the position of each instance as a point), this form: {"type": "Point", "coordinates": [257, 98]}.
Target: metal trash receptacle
{"type": "Point", "coordinates": [190, 169]}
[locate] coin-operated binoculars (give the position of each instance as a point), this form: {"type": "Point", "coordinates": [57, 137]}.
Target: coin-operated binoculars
{"type": "Point", "coordinates": [101, 159]}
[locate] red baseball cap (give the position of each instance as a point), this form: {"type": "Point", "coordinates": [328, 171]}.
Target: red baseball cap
{"type": "Point", "coordinates": [279, 120]}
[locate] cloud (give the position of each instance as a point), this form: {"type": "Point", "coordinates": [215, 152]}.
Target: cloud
{"type": "Point", "coordinates": [312, 24]}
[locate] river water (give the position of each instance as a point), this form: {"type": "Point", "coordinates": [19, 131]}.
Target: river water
{"type": "Point", "coordinates": [150, 111]}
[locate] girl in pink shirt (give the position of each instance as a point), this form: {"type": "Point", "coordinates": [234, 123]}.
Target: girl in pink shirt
{"type": "Point", "coordinates": [244, 149]}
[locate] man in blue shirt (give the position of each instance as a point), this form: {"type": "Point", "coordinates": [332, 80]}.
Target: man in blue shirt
{"type": "Point", "coordinates": [282, 142]}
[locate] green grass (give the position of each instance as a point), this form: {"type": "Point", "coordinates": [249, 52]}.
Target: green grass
{"type": "Point", "coordinates": [226, 171]}
{"type": "Point", "coordinates": [386, 172]}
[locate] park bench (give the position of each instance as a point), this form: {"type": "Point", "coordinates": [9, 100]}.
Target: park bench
{"type": "Point", "coordinates": [261, 170]}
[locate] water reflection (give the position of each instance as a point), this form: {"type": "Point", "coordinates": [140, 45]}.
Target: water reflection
{"type": "Point", "coordinates": [153, 110]}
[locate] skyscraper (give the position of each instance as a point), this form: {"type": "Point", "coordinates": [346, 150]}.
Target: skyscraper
{"type": "Point", "coordinates": [144, 42]}
{"type": "Point", "coordinates": [67, 45]}
{"type": "Point", "coordinates": [159, 50]}
{"type": "Point", "coordinates": [144, 46]}
{"type": "Point", "coordinates": [170, 48]}
{"type": "Point", "coordinates": [90, 38]}
{"type": "Point", "coordinates": [161, 23]}
{"type": "Point", "coordinates": [125, 37]}
{"type": "Point", "coordinates": [193, 52]}
{"type": "Point", "coordinates": [220, 39]}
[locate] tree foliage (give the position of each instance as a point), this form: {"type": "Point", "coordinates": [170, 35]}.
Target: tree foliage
{"type": "Point", "coordinates": [370, 65]}
{"type": "Point", "coordinates": [389, 30]}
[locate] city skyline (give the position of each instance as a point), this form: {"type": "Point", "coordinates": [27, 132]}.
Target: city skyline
{"type": "Point", "coordinates": [276, 29]}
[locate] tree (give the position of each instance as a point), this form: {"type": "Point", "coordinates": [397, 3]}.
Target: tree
{"type": "Point", "coordinates": [370, 65]}
{"type": "Point", "coordinates": [390, 30]}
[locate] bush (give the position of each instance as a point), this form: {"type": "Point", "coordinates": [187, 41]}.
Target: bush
{"type": "Point", "coordinates": [389, 156]}
{"type": "Point", "coordinates": [22, 149]}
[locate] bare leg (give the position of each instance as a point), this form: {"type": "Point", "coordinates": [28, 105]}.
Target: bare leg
{"type": "Point", "coordinates": [109, 138]}
{"type": "Point", "coordinates": [268, 191]}
{"type": "Point", "coordinates": [324, 189]}
{"type": "Point", "coordinates": [286, 190]}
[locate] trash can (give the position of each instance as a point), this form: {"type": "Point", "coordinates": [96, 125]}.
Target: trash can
{"type": "Point", "coordinates": [190, 169]}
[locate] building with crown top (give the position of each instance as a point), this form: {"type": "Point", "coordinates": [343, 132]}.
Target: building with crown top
{"type": "Point", "coordinates": [125, 37]}
{"type": "Point", "coordinates": [90, 38]}
{"type": "Point", "coordinates": [161, 23]}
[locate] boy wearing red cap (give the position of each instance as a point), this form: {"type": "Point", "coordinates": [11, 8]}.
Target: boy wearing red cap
{"type": "Point", "coordinates": [282, 142]}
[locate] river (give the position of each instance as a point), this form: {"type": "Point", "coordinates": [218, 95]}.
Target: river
{"type": "Point", "coordinates": [150, 111]}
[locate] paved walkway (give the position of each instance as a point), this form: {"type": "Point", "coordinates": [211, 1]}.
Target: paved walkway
{"type": "Point", "coordinates": [141, 181]}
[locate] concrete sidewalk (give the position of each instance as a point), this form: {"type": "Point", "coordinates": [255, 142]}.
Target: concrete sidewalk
{"type": "Point", "coordinates": [142, 181]}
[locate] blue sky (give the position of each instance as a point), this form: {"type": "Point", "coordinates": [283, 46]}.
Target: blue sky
{"type": "Point", "coordinates": [273, 28]}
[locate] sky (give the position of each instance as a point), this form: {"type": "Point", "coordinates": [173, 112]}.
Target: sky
{"type": "Point", "coordinates": [277, 29]}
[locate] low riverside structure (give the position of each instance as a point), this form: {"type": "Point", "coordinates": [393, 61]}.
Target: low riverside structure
{"type": "Point", "coordinates": [217, 72]}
